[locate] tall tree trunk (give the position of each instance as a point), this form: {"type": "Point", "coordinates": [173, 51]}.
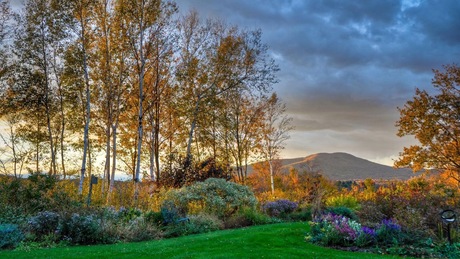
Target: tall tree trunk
{"type": "Point", "coordinates": [157, 107]}
{"type": "Point", "coordinates": [152, 151]}
{"type": "Point", "coordinates": [188, 158]}
{"type": "Point", "coordinates": [13, 148]}
{"type": "Point", "coordinates": [272, 182]}
{"type": "Point", "coordinates": [37, 147]}
{"type": "Point", "coordinates": [109, 86]}
{"type": "Point", "coordinates": [61, 110]}
{"type": "Point", "coordinates": [107, 157]}
{"type": "Point", "coordinates": [47, 105]}
{"type": "Point", "coordinates": [114, 162]}
{"type": "Point", "coordinates": [62, 131]}
{"type": "Point", "coordinates": [141, 99]}
{"type": "Point", "coordinates": [88, 107]}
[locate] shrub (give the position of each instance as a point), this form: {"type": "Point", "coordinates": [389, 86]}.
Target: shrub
{"type": "Point", "coordinates": [195, 224]}
{"type": "Point", "coordinates": [203, 223]}
{"type": "Point", "coordinates": [279, 208]}
{"type": "Point", "coordinates": [80, 229]}
{"type": "Point", "coordinates": [44, 223]}
{"type": "Point", "coordinates": [366, 237]}
{"type": "Point", "coordinates": [12, 214]}
{"type": "Point", "coordinates": [255, 217]}
{"type": "Point", "coordinates": [343, 201]}
{"type": "Point", "coordinates": [304, 214]}
{"type": "Point", "coordinates": [389, 233]}
{"type": "Point", "coordinates": [247, 217]}
{"type": "Point", "coordinates": [213, 196]}
{"type": "Point", "coordinates": [129, 214]}
{"type": "Point", "coordinates": [153, 217]}
{"type": "Point", "coordinates": [10, 236]}
{"type": "Point", "coordinates": [343, 211]}
{"type": "Point", "coordinates": [332, 229]}
{"type": "Point", "coordinates": [139, 230]}
{"type": "Point", "coordinates": [170, 213]}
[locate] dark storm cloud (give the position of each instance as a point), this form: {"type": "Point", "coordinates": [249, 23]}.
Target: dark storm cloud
{"type": "Point", "coordinates": [347, 65]}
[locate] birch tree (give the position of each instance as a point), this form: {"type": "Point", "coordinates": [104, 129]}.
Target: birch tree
{"type": "Point", "coordinates": [37, 45]}
{"type": "Point", "coordinates": [82, 14]}
{"type": "Point", "coordinates": [216, 58]}
{"type": "Point", "coordinates": [275, 131]}
{"type": "Point", "coordinates": [143, 18]}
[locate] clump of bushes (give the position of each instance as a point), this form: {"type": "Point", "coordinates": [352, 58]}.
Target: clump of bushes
{"type": "Point", "coordinates": [248, 217]}
{"type": "Point", "coordinates": [195, 224]}
{"type": "Point", "coordinates": [44, 223]}
{"type": "Point", "coordinates": [10, 236]}
{"type": "Point", "coordinates": [213, 196]}
{"type": "Point", "coordinates": [279, 208]}
{"type": "Point", "coordinates": [81, 229]}
{"type": "Point", "coordinates": [388, 236]}
{"type": "Point", "coordinates": [341, 200]}
{"type": "Point", "coordinates": [331, 229]}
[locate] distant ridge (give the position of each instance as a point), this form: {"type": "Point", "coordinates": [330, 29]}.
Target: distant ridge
{"type": "Point", "coordinates": [343, 167]}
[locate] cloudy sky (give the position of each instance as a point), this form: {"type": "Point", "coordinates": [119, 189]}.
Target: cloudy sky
{"type": "Point", "coordinates": [347, 65]}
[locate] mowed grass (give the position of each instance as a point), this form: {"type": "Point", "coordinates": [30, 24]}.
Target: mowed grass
{"type": "Point", "coordinates": [284, 240]}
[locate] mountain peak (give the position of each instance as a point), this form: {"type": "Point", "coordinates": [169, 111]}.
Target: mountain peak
{"type": "Point", "coordinates": [344, 166]}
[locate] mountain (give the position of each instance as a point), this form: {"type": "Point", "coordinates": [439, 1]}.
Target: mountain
{"type": "Point", "coordinates": [343, 166]}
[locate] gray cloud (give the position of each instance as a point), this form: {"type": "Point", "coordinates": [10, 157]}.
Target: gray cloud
{"type": "Point", "coordinates": [347, 65]}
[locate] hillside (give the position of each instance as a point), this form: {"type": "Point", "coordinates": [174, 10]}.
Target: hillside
{"type": "Point", "coordinates": [343, 166]}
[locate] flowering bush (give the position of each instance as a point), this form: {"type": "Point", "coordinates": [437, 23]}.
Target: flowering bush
{"type": "Point", "coordinates": [279, 207]}
{"type": "Point", "coordinates": [366, 237]}
{"type": "Point", "coordinates": [332, 229]}
{"type": "Point", "coordinates": [389, 232]}
{"type": "Point", "coordinates": [44, 223]}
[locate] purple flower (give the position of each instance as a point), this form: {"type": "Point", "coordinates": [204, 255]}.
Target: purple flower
{"type": "Point", "coordinates": [390, 224]}
{"type": "Point", "coordinates": [276, 208]}
{"type": "Point", "coordinates": [368, 231]}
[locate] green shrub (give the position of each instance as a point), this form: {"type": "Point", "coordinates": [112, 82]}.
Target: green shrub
{"type": "Point", "coordinates": [304, 214]}
{"type": "Point", "coordinates": [343, 211]}
{"type": "Point", "coordinates": [170, 213]}
{"type": "Point", "coordinates": [196, 224]}
{"type": "Point", "coordinates": [81, 229]}
{"type": "Point", "coordinates": [44, 223]}
{"type": "Point", "coordinates": [10, 236]}
{"type": "Point", "coordinates": [343, 201]}
{"type": "Point", "coordinates": [139, 229]}
{"type": "Point", "coordinates": [446, 250]}
{"type": "Point", "coordinates": [248, 217]}
{"type": "Point", "coordinates": [213, 196]}
{"type": "Point", "coordinates": [389, 233]}
{"type": "Point", "coordinates": [12, 214]}
{"type": "Point", "coordinates": [203, 223]}
{"type": "Point", "coordinates": [255, 217]}
{"type": "Point", "coordinates": [154, 217]}
{"type": "Point", "coordinates": [128, 214]}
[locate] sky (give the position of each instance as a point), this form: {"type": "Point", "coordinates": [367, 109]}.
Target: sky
{"type": "Point", "coordinates": [346, 65]}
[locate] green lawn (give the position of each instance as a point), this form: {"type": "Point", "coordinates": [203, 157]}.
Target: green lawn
{"type": "Point", "coordinates": [269, 241]}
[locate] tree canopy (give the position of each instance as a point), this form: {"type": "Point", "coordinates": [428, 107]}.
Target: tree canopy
{"type": "Point", "coordinates": [434, 120]}
{"type": "Point", "coordinates": [159, 89]}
